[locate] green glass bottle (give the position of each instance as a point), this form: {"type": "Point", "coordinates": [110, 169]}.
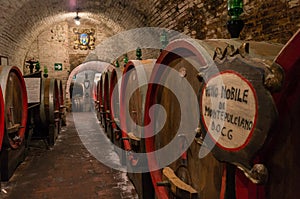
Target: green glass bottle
{"type": "Point", "coordinates": [235, 24]}
{"type": "Point", "coordinates": [235, 8]}
{"type": "Point", "coordinates": [125, 60]}
{"type": "Point", "coordinates": [37, 66]}
{"type": "Point", "coordinates": [117, 64]}
{"type": "Point", "coordinates": [138, 53]}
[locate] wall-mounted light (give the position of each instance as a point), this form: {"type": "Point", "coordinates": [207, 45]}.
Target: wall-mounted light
{"type": "Point", "coordinates": [77, 19]}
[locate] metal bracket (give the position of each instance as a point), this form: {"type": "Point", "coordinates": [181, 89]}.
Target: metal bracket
{"type": "Point", "coordinates": [231, 51]}
{"type": "Point", "coordinates": [258, 174]}
{"type": "Point", "coordinates": [274, 77]}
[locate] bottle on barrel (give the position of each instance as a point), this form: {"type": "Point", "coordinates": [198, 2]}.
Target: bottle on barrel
{"type": "Point", "coordinates": [235, 24]}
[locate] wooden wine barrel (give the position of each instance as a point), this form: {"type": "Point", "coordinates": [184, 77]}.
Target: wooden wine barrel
{"type": "Point", "coordinates": [197, 64]}
{"type": "Point", "coordinates": [15, 119]}
{"type": "Point", "coordinates": [62, 107]}
{"type": "Point", "coordinates": [60, 93]}
{"type": "Point", "coordinates": [1, 118]}
{"type": "Point", "coordinates": [76, 92]}
{"type": "Point", "coordinates": [94, 91]}
{"type": "Point", "coordinates": [282, 153]}
{"type": "Point", "coordinates": [49, 109]}
{"type": "Point", "coordinates": [97, 102]}
{"type": "Point", "coordinates": [77, 104]}
{"type": "Point", "coordinates": [101, 99]}
{"type": "Point", "coordinates": [132, 101]}
{"type": "Point", "coordinates": [115, 86]}
{"type": "Point", "coordinates": [106, 104]}
{"type": "Point", "coordinates": [15, 102]}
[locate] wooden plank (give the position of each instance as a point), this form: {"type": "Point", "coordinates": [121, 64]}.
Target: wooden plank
{"type": "Point", "coordinates": [14, 128]}
{"type": "Point", "coordinates": [133, 137]}
{"type": "Point", "coordinates": [178, 187]}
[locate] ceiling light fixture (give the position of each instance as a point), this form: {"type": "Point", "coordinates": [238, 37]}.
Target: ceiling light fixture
{"type": "Point", "coordinates": [77, 19]}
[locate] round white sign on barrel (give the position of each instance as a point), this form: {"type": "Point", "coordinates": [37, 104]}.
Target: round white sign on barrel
{"type": "Point", "coordinates": [229, 110]}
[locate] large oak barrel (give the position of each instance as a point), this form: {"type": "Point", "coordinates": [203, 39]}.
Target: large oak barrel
{"type": "Point", "coordinates": [15, 103]}
{"type": "Point", "coordinates": [61, 98]}
{"type": "Point", "coordinates": [282, 153]}
{"type": "Point", "coordinates": [49, 109]}
{"type": "Point", "coordinates": [101, 99]}
{"type": "Point", "coordinates": [15, 119]}
{"type": "Point", "coordinates": [62, 107]}
{"type": "Point", "coordinates": [97, 102]}
{"type": "Point", "coordinates": [115, 86]}
{"type": "Point", "coordinates": [77, 92]}
{"type": "Point", "coordinates": [106, 104]}
{"type": "Point", "coordinates": [77, 104]}
{"type": "Point", "coordinates": [94, 92]}
{"type": "Point", "coordinates": [132, 102]}
{"type": "Point", "coordinates": [187, 159]}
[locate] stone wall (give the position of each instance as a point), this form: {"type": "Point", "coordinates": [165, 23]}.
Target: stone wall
{"type": "Point", "coordinates": [271, 20]}
{"type": "Point", "coordinates": [56, 45]}
{"type": "Point", "coordinates": [51, 47]}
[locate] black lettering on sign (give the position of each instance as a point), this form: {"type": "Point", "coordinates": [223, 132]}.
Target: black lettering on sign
{"type": "Point", "coordinates": [229, 109]}
{"type": "Point", "coordinates": [220, 115]}
{"type": "Point", "coordinates": [211, 91]}
{"type": "Point", "coordinates": [222, 105]}
{"type": "Point", "coordinates": [236, 94]}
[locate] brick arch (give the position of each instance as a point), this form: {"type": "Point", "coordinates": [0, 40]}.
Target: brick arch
{"type": "Point", "coordinates": [98, 66]}
{"type": "Point", "coordinates": [23, 21]}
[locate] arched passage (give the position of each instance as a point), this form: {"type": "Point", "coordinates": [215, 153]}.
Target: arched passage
{"type": "Point", "coordinates": [98, 66]}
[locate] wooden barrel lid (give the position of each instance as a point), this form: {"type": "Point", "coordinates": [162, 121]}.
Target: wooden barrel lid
{"type": "Point", "coordinates": [237, 111]}
{"type": "Point", "coordinates": [133, 96]}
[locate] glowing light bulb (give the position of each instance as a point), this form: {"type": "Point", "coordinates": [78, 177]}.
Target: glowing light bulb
{"type": "Point", "coordinates": [77, 20]}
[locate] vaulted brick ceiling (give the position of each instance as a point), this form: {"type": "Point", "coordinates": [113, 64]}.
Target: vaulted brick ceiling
{"type": "Point", "coordinates": [23, 20]}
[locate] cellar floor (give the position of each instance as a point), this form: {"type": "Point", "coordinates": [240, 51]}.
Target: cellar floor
{"type": "Point", "coordinates": [68, 170]}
